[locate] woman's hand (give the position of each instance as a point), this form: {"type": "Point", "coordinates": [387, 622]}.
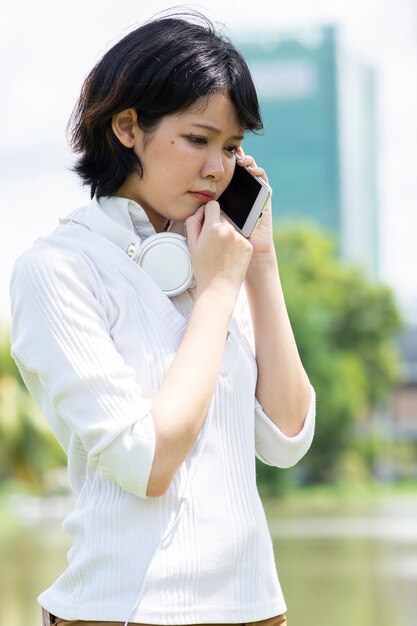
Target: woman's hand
{"type": "Point", "coordinates": [220, 255]}
{"type": "Point", "coordinates": [262, 239]}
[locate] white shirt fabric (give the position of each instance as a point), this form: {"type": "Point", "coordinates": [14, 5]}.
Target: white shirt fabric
{"type": "Point", "coordinates": [93, 337]}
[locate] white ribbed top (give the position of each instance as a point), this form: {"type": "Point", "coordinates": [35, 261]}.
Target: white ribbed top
{"type": "Point", "coordinates": [93, 337]}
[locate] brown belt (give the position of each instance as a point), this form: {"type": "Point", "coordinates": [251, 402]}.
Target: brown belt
{"type": "Point", "coordinates": [278, 620]}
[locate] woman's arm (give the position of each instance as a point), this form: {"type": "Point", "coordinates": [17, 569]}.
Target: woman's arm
{"type": "Point", "coordinates": [283, 388]}
{"type": "Point", "coordinates": [220, 259]}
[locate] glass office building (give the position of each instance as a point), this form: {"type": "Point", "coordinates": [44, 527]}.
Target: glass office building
{"type": "Point", "coordinates": [319, 146]}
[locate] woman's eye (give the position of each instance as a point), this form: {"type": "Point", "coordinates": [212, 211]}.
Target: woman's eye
{"type": "Point", "coordinates": [232, 149]}
{"type": "Point", "coordinates": [199, 141]}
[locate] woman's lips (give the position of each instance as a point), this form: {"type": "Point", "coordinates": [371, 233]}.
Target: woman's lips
{"type": "Point", "coordinates": [203, 196]}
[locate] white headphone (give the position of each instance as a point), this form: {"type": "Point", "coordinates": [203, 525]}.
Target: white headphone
{"type": "Point", "coordinates": [164, 256]}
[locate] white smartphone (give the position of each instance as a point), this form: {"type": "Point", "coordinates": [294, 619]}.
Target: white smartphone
{"type": "Point", "coordinates": [243, 201]}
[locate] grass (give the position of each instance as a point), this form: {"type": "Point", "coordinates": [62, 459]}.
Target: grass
{"type": "Point", "coordinates": [331, 499]}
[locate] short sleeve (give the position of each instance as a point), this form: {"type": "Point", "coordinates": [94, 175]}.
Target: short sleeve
{"type": "Point", "coordinates": [273, 447]}
{"type": "Point", "coordinates": [62, 344]}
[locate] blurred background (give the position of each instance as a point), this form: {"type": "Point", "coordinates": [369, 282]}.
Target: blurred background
{"type": "Point", "coordinates": [338, 91]}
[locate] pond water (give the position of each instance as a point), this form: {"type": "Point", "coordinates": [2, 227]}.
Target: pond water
{"type": "Point", "coordinates": [338, 567]}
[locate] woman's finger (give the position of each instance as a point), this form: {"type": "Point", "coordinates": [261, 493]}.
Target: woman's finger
{"type": "Point", "coordinates": [250, 163]}
{"type": "Point", "coordinates": [194, 224]}
{"type": "Point", "coordinates": [246, 161]}
{"type": "Point", "coordinates": [212, 212]}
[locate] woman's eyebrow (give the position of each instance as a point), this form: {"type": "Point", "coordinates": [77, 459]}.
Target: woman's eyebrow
{"type": "Point", "coordinates": [216, 130]}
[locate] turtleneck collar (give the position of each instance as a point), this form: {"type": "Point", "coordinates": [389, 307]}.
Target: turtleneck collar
{"type": "Point", "coordinates": [128, 213]}
{"type": "Point", "coordinates": [131, 215]}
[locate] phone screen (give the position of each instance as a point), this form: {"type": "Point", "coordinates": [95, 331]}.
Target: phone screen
{"type": "Point", "coordinates": [238, 198]}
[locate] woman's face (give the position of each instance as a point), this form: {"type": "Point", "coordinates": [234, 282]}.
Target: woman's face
{"type": "Point", "coordinates": [187, 161]}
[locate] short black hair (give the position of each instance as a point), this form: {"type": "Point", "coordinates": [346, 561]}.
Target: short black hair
{"type": "Point", "coordinates": [160, 68]}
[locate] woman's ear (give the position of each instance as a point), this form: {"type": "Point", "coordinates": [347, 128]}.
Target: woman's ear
{"type": "Point", "coordinates": [124, 125]}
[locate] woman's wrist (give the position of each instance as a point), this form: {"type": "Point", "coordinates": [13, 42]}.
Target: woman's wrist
{"type": "Point", "coordinates": [262, 264]}
{"type": "Point", "coordinates": [219, 290]}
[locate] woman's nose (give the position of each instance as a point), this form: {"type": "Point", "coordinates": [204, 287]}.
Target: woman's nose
{"type": "Point", "coordinates": [213, 167]}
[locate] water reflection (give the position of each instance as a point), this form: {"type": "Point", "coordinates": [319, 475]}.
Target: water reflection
{"type": "Point", "coordinates": [350, 567]}
{"type": "Point", "coordinates": [344, 568]}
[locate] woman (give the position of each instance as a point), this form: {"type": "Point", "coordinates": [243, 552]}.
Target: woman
{"type": "Point", "coordinates": [159, 400]}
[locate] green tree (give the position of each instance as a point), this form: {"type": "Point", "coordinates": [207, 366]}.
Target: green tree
{"type": "Point", "coordinates": [27, 446]}
{"type": "Point", "coordinates": [345, 326]}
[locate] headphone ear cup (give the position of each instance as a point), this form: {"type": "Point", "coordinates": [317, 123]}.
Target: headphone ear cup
{"type": "Point", "coordinates": [165, 257]}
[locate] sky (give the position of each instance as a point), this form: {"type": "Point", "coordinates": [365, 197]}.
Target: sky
{"type": "Point", "coordinates": [47, 47]}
